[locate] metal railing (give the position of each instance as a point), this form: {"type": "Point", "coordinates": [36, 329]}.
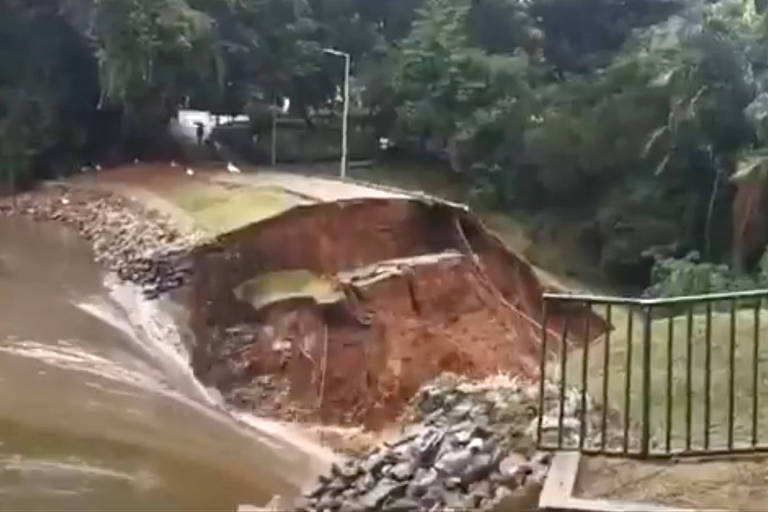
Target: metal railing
{"type": "Point", "coordinates": [674, 377]}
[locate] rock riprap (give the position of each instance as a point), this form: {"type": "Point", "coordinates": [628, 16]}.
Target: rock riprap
{"type": "Point", "coordinates": [467, 446]}
{"type": "Point", "coordinates": [141, 245]}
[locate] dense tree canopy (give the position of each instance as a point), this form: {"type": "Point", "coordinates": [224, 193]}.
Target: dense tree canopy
{"type": "Point", "coordinates": [47, 88]}
{"type": "Point", "coordinates": [649, 117]}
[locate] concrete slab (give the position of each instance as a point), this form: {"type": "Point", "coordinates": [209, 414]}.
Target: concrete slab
{"type": "Point", "coordinates": [557, 494]}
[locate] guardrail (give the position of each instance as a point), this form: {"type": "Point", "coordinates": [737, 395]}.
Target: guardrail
{"type": "Point", "coordinates": [681, 376]}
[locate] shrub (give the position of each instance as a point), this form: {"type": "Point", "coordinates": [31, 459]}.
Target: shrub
{"type": "Point", "coordinates": [671, 277]}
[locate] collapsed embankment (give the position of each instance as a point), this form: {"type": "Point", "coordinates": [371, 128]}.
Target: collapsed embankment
{"type": "Point", "coordinates": [333, 310]}
{"type": "Point", "coordinates": [340, 311]}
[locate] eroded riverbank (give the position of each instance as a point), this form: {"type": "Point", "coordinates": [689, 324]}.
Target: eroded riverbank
{"type": "Point", "coordinates": [310, 299]}
{"type": "Point", "coordinates": [141, 245]}
{"type": "Point", "coordinates": [98, 409]}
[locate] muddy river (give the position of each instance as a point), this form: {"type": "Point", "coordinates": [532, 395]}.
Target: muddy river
{"type": "Point", "coordinates": [98, 407]}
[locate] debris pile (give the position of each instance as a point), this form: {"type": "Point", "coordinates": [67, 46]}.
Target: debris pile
{"type": "Point", "coordinates": [140, 245]}
{"type": "Point", "coordinates": [569, 431]}
{"type": "Point", "coordinates": [468, 446]}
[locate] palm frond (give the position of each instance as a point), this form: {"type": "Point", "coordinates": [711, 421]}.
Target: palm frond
{"type": "Point", "coordinates": [653, 139]}
{"type": "Point", "coordinates": [751, 168]}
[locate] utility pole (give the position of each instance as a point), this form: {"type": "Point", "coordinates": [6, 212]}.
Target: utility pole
{"type": "Point", "coordinates": [345, 118]}
{"type": "Point", "coordinates": [274, 135]}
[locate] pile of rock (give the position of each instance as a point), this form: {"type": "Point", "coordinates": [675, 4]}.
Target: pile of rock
{"type": "Point", "coordinates": [469, 448]}
{"type": "Point", "coordinates": [465, 445]}
{"type": "Point", "coordinates": [569, 431]}
{"type": "Point", "coordinates": [141, 246]}
{"type": "Point", "coordinates": [164, 270]}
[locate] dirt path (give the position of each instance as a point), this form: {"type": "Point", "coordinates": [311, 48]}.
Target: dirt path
{"type": "Point", "coordinates": [737, 484]}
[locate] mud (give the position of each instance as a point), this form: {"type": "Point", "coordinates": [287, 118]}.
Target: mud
{"type": "Point", "coordinates": [422, 288]}
{"type": "Point", "coordinates": [446, 296]}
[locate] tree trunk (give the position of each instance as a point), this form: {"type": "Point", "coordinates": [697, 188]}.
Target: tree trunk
{"type": "Point", "coordinates": [453, 155]}
{"type": "Point", "coordinates": [748, 235]}
{"type": "Point", "coordinates": [710, 213]}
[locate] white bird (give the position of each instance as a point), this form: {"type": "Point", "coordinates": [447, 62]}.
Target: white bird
{"type": "Point", "coordinates": [97, 167]}
{"type": "Point", "coordinates": [136, 161]}
{"type": "Point", "coordinates": [233, 168]}
{"type": "Point", "coordinates": [174, 164]}
{"type": "Point", "coordinates": [190, 172]}
{"type": "Point", "coordinates": [64, 200]}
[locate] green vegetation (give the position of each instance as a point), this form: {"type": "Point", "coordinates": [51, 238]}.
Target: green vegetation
{"type": "Point", "coordinates": [640, 124]}
{"type": "Point", "coordinates": [149, 52]}
{"type": "Point", "coordinates": [672, 277]}
{"type": "Point", "coordinates": [218, 209]}
{"type": "Point", "coordinates": [719, 374]}
{"type": "Point", "coordinates": [47, 88]}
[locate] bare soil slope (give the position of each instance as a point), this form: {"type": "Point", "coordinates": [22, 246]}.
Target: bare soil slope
{"type": "Point", "coordinates": [323, 299]}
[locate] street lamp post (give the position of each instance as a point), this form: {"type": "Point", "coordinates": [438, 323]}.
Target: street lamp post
{"type": "Point", "coordinates": [345, 119]}
{"type": "Point", "coordinates": [274, 134]}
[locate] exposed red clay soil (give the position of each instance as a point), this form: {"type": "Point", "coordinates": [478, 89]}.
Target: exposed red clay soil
{"type": "Point", "coordinates": [361, 359]}
{"type": "Point", "coordinates": [421, 288]}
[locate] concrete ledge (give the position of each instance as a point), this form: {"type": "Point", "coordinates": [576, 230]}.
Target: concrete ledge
{"type": "Point", "coordinates": [557, 494]}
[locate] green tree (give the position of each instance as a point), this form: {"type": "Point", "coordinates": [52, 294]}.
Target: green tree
{"type": "Point", "coordinates": [584, 35]}
{"type": "Point", "coordinates": [453, 92]}
{"type": "Point", "coordinates": [273, 49]}
{"type": "Point", "coordinates": [711, 81]}
{"type": "Point", "coordinates": [150, 53]}
{"type": "Point", "coordinates": [47, 88]}
{"type": "Point", "coordinates": [391, 18]}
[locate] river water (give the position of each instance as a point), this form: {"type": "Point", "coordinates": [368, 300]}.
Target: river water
{"type": "Point", "coordinates": [98, 407]}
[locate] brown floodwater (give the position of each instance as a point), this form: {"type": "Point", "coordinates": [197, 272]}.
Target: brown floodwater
{"type": "Point", "coordinates": [98, 407]}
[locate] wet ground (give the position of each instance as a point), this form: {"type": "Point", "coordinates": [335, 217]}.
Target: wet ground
{"type": "Point", "coordinates": [716, 484]}
{"type": "Point", "coordinates": [98, 407]}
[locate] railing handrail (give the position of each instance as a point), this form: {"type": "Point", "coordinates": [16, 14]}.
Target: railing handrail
{"type": "Point", "coordinates": [631, 301]}
{"type": "Point", "coordinates": [663, 339]}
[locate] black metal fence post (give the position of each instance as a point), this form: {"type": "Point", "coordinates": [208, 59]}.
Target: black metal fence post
{"type": "Point", "coordinates": [670, 380]}
{"type": "Point", "coordinates": [731, 377]}
{"type": "Point", "coordinates": [563, 375]}
{"type": "Point", "coordinates": [606, 364]}
{"type": "Point", "coordinates": [688, 378]}
{"type": "Point", "coordinates": [542, 372]}
{"type": "Point", "coordinates": [628, 383]}
{"type": "Point", "coordinates": [646, 435]}
{"type": "Point", "coordinates": [713, 341]}
{"type": "Point", "coordinates": [707, 374]}
{"type": "Point", "coordinates": [584, 380]}
{"type": "Point", "coordinates": [755, 362]}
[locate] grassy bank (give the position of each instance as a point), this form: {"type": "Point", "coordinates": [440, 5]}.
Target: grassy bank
{"type": "Point", "coordinates": [719, 374]}
{"type": "Point", "coordinates": [219, 209]}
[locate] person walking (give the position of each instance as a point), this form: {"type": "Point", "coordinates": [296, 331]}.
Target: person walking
{"type": "Point", "coordinates": [200, 133]}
